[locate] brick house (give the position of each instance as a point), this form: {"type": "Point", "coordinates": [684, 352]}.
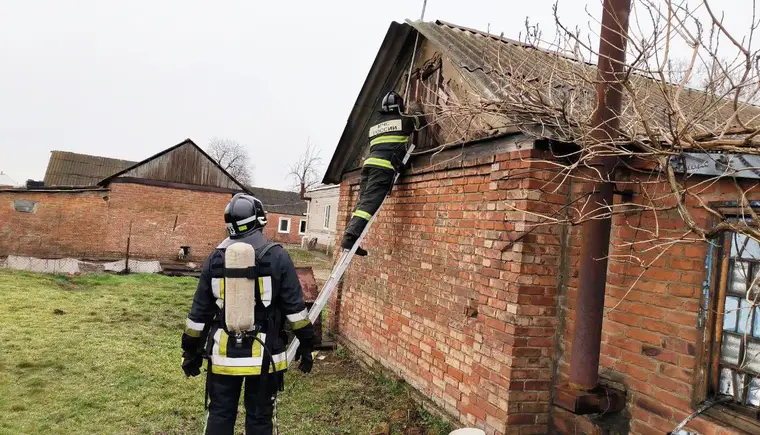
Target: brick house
{"type": "Point", "coordinates": [473, 306]}
{"type": "Point", "coordinates": [286, 212]}
{"type": "Point", "coordinates": [167, 207]}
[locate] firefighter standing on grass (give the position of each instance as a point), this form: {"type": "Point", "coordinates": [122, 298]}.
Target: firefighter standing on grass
{"type": "Point", "coordinates": [388, 140]}
{"type": "Point", "coordinates": [257, 359]}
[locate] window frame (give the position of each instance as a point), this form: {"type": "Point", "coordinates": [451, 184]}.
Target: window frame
{"type": "Point", "coordinates": [279, 225]}
{"type": "Point", "coordinates": [302, 223]}
{"type": "Point", "coordinates": [326, 216]}
{"type": "Point", "coordinates": [424, 87]}
{"type": "Point", "coordinates": [709, 338]}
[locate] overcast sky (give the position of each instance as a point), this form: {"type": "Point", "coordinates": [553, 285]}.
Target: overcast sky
{"type": "Point", "coordinates": [129, 79]}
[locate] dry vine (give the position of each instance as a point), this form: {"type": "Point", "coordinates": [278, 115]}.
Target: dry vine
{"type": "Point", "coordinates": [676, 109]}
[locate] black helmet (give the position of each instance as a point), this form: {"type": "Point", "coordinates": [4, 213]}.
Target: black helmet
{"type": "Point", "coordinates": [392, 103]}
{"type": "Point", "coordinates": [244, 215]}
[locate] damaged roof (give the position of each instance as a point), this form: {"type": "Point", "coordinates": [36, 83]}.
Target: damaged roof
{"type": "Point", "coordinates": [77, 170]}
{"type": "Point", "coordinates": [487, 63]}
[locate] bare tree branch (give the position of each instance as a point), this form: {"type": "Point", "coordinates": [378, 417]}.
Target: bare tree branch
{"type": "Point", "coordinates": [233, 157]}
{"type": "Point", "coordinates": [305, 172]}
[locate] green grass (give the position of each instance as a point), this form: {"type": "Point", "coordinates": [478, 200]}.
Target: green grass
{"type": "Point", "coordinates": [99, 354]}
{"type": "Point", "coordinates": [303, 258]}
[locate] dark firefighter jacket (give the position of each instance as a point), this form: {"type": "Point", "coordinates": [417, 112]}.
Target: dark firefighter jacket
{"type": "Point", "coordinates": [277, 283]}
{"type": "Point", "coordinates": [388, 139]}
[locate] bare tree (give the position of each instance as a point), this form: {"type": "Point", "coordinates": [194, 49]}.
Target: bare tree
{"type": "Point", "coordinates": [547, 92]}
{"type": "Point", "coordinates": [233, 157]}
{"type": "Point", "coordinates": [305, 171]}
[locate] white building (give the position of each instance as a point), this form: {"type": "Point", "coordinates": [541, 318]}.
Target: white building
{"type": "Point", "coordinates": [322, 216]}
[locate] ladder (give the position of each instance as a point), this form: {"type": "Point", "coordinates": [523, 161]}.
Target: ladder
{"type": "Point", "coordinates": [340, 268]}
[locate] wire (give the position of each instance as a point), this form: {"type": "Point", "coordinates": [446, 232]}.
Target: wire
{"type": "Point", "coordinates": [414, 54]}
{"type": "Point", "coordinates": [705, 406]}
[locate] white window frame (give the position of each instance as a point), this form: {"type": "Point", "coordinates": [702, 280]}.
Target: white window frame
{"type": "Point", "coordinates": [302, 224]}
{"type": "Point", "coordinates": [326, 222]}
{"type": "Point", "coordinates": [279, 225]}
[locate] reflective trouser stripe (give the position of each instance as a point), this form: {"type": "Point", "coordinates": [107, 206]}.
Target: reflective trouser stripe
{"type": "Point", "coordinates": [381, 163]}
{"type": "Point", "coordinates": [299, 320]}
{"type": "Point", "coordinates": [363, 214]}
{"type": "Point", "coordinates": [193, 329]}
{"type": "Point", "coordinates": [301, 324]}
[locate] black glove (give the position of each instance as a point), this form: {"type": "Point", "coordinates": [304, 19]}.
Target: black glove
{"type": "Point", "coordinates": [304, 355]}
{"type": "Point", "coordinates": [191, 364]}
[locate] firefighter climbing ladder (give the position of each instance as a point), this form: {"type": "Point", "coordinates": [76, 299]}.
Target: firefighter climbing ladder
{"type": "Point", "coordinates": [340, 268]}
{"type": "Point", "coordinates": [348, 254]}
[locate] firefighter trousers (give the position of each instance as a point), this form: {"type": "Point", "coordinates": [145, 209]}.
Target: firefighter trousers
{"type": "Point", "coordinates": [375, 184]}
{"type": "Point", "coordinates": [224, 394]}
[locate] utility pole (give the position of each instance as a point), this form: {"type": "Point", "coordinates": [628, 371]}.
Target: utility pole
{"type": "Point", "coordinates": [595, 232]}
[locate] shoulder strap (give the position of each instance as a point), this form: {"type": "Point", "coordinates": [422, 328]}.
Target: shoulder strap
{"type": "Point", "coordinates": [264, 250]}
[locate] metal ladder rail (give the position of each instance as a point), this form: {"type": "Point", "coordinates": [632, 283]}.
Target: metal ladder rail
{"type": "Point", "coordinates": [340, 268]}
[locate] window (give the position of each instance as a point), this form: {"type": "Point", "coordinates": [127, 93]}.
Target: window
{"type": "Point", "coordinates": [734, 362]}
{"type": "Point", "coordinates": [327, 216]}
{"type": "Point", "coordinates": [284, 226]}
{"type": "Point", "coordinates": [24, 206]}
{"type": "Point", "coordinates": [302, 227]}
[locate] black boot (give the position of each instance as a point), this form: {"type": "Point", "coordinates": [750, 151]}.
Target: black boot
{"type": "Point", "coordinates": [348, 243]}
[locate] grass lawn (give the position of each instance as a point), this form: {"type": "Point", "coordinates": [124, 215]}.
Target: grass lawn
{"type": "Point", "coordinates": [99, 354]}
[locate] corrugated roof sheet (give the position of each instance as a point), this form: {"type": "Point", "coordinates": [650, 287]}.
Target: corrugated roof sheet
{"type": "Point", "coordinates": [495, 67]}
{"type": "Point", "coordinates": [73, 169]}
{"type": "Point", "coordinates": [280, 201]}
{"type": "Point", "coordinates": [492, 64]}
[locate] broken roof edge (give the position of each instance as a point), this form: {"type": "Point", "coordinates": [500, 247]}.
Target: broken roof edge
{"type": "Point", "coordinates": [187, 141]}
{"type": "Point", "coordinates": [395, 42]}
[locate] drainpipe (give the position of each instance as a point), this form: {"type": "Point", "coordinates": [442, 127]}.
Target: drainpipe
{"type": "Point", "coordinates": [584, 361]}
{"type": "Point", "coordinates": [583, 395]}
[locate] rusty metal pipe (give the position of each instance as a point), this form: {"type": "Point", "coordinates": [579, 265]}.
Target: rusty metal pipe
{"type": "Point", "coordinates": [587, 335]}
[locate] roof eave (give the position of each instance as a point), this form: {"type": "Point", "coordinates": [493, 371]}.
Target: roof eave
{"type": "Point", "coordinates": [188, 141]}
{"type": "Point", "coordinates": [393, 46]}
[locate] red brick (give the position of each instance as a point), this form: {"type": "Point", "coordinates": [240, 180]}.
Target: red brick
{"type": "Point", "coordinates": [654, 407]}
{"type": "Point", "coordinates": [98, 223]}
{"type": "Point", "coordinates": [644, 336]}
{"type": "Point", "coordinates": [668, 398]}
{"type": "Point", "coordinates": [503, 357]}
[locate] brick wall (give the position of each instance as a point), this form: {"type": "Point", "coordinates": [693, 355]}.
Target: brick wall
{"type": "Point", "coordinates": [96, 224]}
{"type": "Point", "coordinates": [272, 230]}
{"type": "Point", "coordinates": [476, 310]}
{"type": "Point", "coordinates": [440, 304]}
{"type": "Point", "coordinates": [163, 220]}
{"type": "Point", "coordinates": [63, 224]}
{"type": "Point", "coordinates": [650, 335]}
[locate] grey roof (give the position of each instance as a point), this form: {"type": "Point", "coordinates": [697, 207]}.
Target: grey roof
{"type": "Point", "coordinates": [488, 63]}
{"type": "Point", "coordinates": [72, 169]}
{"type": "Point", "coordinates": [280, 201]}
